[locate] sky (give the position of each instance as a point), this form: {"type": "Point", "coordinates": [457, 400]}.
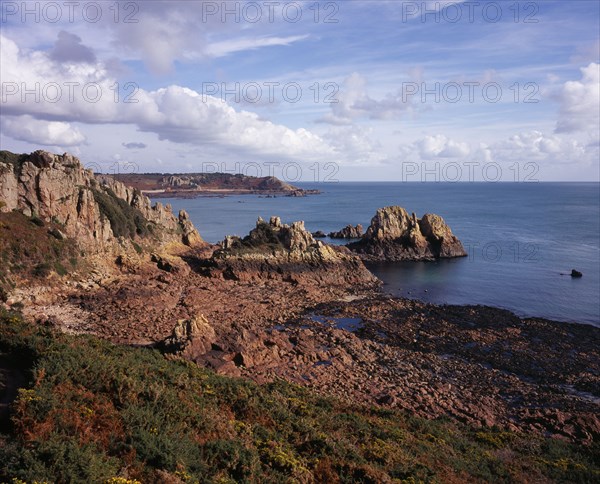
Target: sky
{"type": "Point", "coordinates": [317, 91]}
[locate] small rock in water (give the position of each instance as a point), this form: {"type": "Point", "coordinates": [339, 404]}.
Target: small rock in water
{"type": "Point", "coordinates": [576, 273]}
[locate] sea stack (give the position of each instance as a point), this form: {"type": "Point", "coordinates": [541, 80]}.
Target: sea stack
{"type": "Point", "coordinates": [394, 235]}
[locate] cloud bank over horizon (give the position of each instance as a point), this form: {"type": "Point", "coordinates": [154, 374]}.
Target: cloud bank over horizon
{"type": "Point", "coordinates": [173, 85]}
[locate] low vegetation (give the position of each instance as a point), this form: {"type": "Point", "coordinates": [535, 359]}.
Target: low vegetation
{"type": "Point", "coordinates": [94, 412]}
{"type": "Point", "coordinates": [12, 158]}
{"type": "Point", "coordinates": [30, 247]}
{"type": "Point", "coordinates": [125, 220]}
{"type": "Point", "coordinates": [262, 239]}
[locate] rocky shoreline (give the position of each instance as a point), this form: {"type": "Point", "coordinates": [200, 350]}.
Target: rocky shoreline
{"type": "Point", "coordinates": [280, 304]}
{"type": "Point", "coordinates": [479, 365]}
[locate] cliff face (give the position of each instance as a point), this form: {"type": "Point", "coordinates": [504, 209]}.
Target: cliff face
{"type": "Point", "coordinates": [94, 210]}
{"type": "Point", "coordinates": [395, 235]}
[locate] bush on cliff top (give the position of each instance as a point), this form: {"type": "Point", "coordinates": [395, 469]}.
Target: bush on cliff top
{"type": "Point", "coordinates": [12, 158]}
{"type": "Point", "coordinates": [93, 412]}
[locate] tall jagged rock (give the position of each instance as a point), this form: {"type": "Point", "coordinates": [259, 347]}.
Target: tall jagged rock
{"type": "Point", "coordinates": [89, 207]}
{"type": "Point", "coordinates": [190, 235]}
{"type": "Point", "coordinates": [395, 235]}
{"type": "Point", "coordinates": [190, 337]}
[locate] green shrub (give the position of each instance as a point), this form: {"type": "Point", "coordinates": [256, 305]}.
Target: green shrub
{"type": "Point", "coordinates": [42, 269]}
{"type": "Point", "coordinates": [94, 409]}
{"type": "Point", "coordinates": [30, 247]}
{"type": "Point", "coordinates": [35, 220]}
{"type": "Point", "coordinates": [125, 220]}
{"type": "Point", "coordinates": [64, 459]}
{"type": "Point", "coordinates": [12, 158]}
{"type": "Point", "coordinates": [60, 269]}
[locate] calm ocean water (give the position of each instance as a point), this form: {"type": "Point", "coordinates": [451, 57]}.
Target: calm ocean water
{"type": "Point", "coordinates": [520, 238]}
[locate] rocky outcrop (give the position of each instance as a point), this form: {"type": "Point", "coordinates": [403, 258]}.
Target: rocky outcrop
{"type": "Point", "coordinates": [96, 210]}
{"type": "Point", "coordinates": [196, 340]}
{"type": "Point", "coordinates": [348, 232]}
{"type": "Point", "coordinates": [442, 241]}
{"type": "Point", "coordinates": [274, 250]}
{"type": "Point", "coordinates": [190, 235]}
{"type": "Point", "coordinates": [395, 235]}
{"type": "Point", "coordinates": [190, 338]}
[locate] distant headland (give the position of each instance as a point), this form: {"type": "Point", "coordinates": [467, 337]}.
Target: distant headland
{"type": "Point", "coordinates": [191, 185]}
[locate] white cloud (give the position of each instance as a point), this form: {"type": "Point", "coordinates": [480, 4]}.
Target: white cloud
{"type": "Point", "coordinates": [436, 146]}
{"type": "Point", "coordinates": [539, 147]}
{"type": "Point", "coordinates": [49, 133]}
{"type": "Point", "coordinates": [174, 113]}
{"type": "Point", "coordinates": [168, 32]}
{"type": "Point", "coordinates": [223, 48]}
{"type": "Point", "coordinates": [353, 91]}
{"type": "Point", "coordinates": [356, 144]}
{"type": "Point", "coordinates": [439, 146]}
{"type": "Point", "coordinates": [530, 146]}
{"type": "Point", "coordinates": [580, 102]}
{"type": "Point", "coordinates": [355, 103]}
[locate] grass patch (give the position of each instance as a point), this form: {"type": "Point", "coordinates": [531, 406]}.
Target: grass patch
{"type": "Point", "coordinates": [95, 412]}
{"type": "Point", "coordinates": [30, 247]}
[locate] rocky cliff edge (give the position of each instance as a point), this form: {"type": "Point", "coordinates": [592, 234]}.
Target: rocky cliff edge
{"type": "Point", "coordinates": [95, 210]}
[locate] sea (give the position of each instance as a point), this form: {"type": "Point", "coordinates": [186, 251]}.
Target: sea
{"type": "Point", "coordinates": [523, 239]}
